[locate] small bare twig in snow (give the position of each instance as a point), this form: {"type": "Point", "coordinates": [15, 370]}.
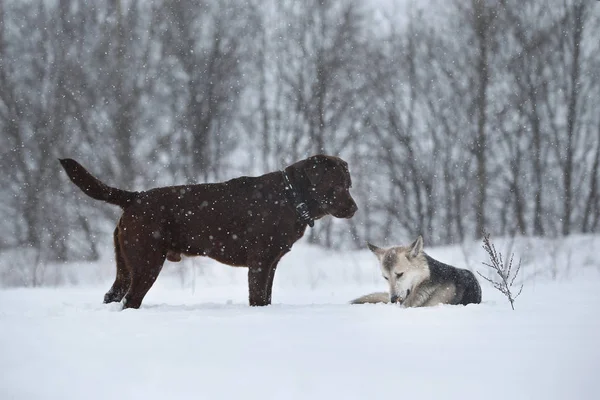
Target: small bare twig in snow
{"type": "Point", "coordinates": [503, 269]}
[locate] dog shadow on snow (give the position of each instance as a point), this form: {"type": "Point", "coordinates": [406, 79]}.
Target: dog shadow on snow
{"type": "Point", "coordinates": [273, 308]}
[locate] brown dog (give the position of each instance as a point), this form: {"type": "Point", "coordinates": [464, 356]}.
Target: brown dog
{"type": "Point", "coordinates": [247, 221]}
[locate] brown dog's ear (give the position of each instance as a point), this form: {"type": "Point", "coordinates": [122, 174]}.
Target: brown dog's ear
{"type": "Point", "coordinates": [416, 247]}
{"type": "Point", "coordinates": [314, 171]}
{"type": "Point", "coordinates": [378, 251]}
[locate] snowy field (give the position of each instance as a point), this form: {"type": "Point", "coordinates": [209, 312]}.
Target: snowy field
{"type": "Point", "coordinates": [196, 337]}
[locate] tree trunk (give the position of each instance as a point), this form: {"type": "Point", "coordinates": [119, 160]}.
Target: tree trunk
{"type": "Point", "coordinates": [571, 120]}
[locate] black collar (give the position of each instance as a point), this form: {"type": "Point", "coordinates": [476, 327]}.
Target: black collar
{"type": "Point", "coordinates": [296, 200]}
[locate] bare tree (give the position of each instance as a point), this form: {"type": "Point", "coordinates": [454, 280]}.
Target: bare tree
{"type": "Point", "coordinates": [205, 41]}
{"type": "Point", "coordinates": [321, 82]}
{"type": "Point", "coordinates": [40, 98]}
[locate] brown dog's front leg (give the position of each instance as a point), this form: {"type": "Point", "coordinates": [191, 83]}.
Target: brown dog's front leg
{"type": "Point", "coordinates": [270, 278]}
{"type": "Point", "coordinates": [257, 283]}
{"type": "Point", "coordinates": [260, 279]}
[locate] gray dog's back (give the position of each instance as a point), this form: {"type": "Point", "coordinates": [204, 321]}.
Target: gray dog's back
{"type": "Point", "coordinates": [468, 290]}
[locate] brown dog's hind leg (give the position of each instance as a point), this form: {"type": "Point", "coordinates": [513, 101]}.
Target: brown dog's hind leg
{"type": "Point", "coordinates": [123, 278]}
{"type": "Point", "coordinates": [141, 283]}
{"type": "Point", "coordinates": [145, 257]}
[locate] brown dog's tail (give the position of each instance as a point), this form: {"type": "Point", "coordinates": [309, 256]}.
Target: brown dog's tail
{"type": "Point", "coordinates": [93, 187]}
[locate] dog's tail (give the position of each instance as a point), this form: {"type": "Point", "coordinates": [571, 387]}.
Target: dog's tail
{"type": "Point", "coordinates": [93, 187]}
{"type": "Point", "coordinates": [372, 298]}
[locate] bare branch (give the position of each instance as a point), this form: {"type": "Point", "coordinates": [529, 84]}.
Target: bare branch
{"type": "Point", "coordinates": [504, 270]}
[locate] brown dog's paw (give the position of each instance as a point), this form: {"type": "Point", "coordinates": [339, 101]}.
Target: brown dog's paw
{"type": "Point", "coordinates": [113, 297]}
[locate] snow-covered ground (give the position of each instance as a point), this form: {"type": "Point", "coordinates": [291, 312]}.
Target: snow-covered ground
{"type": "Point", "coordinates": [195, 336]}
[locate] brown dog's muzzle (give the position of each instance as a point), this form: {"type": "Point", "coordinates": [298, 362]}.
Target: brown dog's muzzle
{"type": "Point", "coordinates": [345, 209]}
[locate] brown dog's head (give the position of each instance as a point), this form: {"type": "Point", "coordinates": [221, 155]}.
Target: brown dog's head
{"type": "Point", "coordinates": [329, 185]}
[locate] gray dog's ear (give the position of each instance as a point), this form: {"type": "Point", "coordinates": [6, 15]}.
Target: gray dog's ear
{"type": "Point", "coordinates": [416, 247]}
{"type": "Point", "coordinates": [378, 251]}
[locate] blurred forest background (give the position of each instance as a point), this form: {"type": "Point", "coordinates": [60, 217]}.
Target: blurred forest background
{"type": "Point", "coordinates": [455, 116]}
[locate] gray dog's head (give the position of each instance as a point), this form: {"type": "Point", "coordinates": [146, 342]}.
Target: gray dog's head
{"type": "Point", "coordinates": [403, 267]}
